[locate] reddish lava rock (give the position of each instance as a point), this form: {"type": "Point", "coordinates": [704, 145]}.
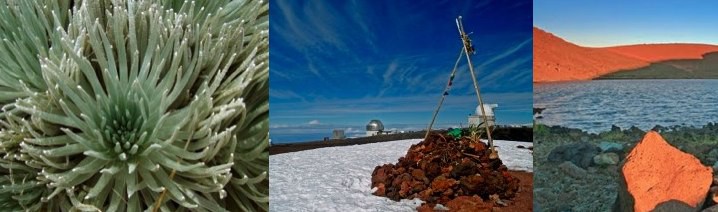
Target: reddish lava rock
{"type": "Point", "coordinates": [380, 189]}
{"type": "Point", "coordinates": [425, 208]}
{"type": "Point", "coordinates": [655, 172]}
{"type": "Point", "coordinates": [441, 184]}
{"type": "Point", "coordinates": [457, 173]}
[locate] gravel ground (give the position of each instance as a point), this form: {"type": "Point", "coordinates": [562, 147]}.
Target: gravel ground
{"type": "Point", "coordinates": [555, 190]}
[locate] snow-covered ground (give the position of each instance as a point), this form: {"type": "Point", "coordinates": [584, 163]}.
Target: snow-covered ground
{"type": "Point", "coordinates": [338, 178]}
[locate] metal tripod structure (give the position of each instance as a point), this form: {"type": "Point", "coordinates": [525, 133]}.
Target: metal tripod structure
{"type": "Point", "coordinates": [467, 49]}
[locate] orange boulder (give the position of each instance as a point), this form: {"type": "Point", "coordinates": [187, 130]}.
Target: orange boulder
{"type": "Point", "coordinates": [655, 172]}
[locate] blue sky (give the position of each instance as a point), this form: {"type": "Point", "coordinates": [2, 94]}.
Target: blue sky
{"type": "Point", "coordinates": [614, 22]}
{"type": "Point", "coordinates": [339, 64]}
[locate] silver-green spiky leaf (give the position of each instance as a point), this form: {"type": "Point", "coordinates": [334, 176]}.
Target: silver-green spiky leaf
{"type": "Point", "coordinates": [137, 104]}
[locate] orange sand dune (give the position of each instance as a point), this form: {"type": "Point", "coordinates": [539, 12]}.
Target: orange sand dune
{"type": "Point", "coordinates": [661, 52]}
{"type": "Point", "coordinates": [558, 60]}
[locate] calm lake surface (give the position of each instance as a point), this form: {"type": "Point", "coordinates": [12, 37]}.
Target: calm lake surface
{"type": "Point", "coordinates": [596, 105]}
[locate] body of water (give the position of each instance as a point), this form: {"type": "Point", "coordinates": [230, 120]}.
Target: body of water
{"type": "Point", "coordinates": [596, 105]}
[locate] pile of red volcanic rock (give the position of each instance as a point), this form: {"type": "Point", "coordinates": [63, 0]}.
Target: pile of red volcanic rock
{"type": "Point", "coordinates": [448, 171]}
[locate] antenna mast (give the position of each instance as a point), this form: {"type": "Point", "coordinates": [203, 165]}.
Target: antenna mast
{"type": "Point", "coordinates": [468, 49]}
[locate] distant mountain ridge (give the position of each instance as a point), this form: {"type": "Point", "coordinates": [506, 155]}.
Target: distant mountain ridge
{"type": "Point", "coordinates": [556, 59]}
{"type": "Point", "coordinates": [704, 68]}
{"type": "Point", "coordinates": [663, 52]}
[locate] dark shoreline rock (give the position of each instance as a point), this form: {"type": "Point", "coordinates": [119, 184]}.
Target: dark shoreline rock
{"type": "Point", "coordinates": [580, 154]}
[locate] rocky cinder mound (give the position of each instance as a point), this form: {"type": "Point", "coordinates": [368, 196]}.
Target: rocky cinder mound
{"type": "Point", "coordinates": [654, 172]}
{"type": "Point", "coordinates": [448, 171]}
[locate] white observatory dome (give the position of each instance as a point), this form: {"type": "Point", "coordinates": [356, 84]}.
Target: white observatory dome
{"type": "Point", "coordinates": [489, 108]}
{"type": "Point", "coordinates": [375, 125]}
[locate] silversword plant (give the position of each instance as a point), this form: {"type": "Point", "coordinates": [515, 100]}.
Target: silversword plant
{"type": "Point", "coordinates": [124, 105]}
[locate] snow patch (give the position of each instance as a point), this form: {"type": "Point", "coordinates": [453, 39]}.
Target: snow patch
{"type": "Point", "coordinates": [338, 178]}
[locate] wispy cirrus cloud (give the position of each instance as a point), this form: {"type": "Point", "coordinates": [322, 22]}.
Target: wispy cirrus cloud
{"type": "Point", "coordinates": [507, 52]}
{"type": "Point", "coordinates": [346, 62]}
{"type": "Point", "coordinates": [316, 29]}
{"type": "Point", "coordinates": [284, 94]}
